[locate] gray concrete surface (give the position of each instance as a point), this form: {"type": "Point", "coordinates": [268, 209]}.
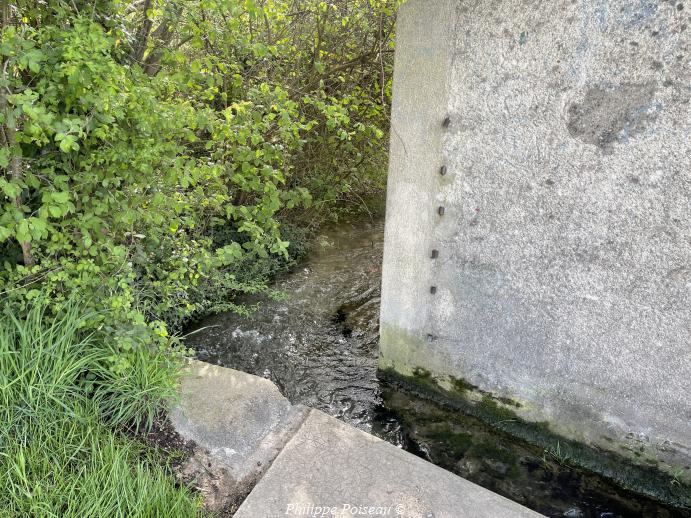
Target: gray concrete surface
{"type": "Point", "coordinates": [564, 270]}
{"type": "Point", "coordinates": [332, 469]}
{"type": "Point", "coordinates": [241, 421]}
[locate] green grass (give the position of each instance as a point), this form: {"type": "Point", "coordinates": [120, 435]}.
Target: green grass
{"type": "Point", "coordinates": [60, 453]}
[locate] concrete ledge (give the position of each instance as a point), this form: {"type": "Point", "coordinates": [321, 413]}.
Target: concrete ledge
{"type": "Point", "coordinates": [242, 421]}
{"type": "Point", "coordinates": [332, 469]}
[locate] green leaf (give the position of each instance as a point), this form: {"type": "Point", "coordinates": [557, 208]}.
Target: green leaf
{"type": "Point", "coordinates": [10, 190]}
{"type": "Point", "coordinates": [5, 233]}
{"type": "Point", "coordinates": [23, 233]}
{"type": "Point", "coordinates": [32, 294]}
{"type": "Point", "coordinates": [61, 197]}
{"type": "Point", "coordinates": [69, 143]}
{"type": "Point", "coordinates": [229, 253]}
{"type": "Point", "coordinates": [4, 157]}
{"type": "Point", "coordinates": [38, 228]}
{"type": "Point", "coordinates": [55, 211]}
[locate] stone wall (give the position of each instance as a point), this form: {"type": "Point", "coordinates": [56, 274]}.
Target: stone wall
{"type": "Point", "coordinates": [563, 276]}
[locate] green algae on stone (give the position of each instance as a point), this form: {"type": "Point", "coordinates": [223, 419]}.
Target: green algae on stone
{"type": "Point", "coordinates": [648, 481]}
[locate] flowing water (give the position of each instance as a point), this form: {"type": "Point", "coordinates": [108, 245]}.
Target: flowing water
{"type": "Point", "coordinates": [318, 343]}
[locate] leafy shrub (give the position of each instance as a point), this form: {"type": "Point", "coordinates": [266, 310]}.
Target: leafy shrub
{"type": "Point", "coordinates": [115, 205]}
{"type": "Point", "coordinates": [153, 151]}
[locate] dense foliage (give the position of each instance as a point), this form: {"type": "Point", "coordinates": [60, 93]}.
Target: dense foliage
{"type": "Point", "coordinates": [154, 152]}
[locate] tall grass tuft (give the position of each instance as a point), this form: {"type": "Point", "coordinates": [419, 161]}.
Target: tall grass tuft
{"type": "Point", "coordinates": [59, 453]}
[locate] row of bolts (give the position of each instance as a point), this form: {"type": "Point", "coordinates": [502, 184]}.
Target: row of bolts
{"type": "Point", "coordinates": [440, 210]}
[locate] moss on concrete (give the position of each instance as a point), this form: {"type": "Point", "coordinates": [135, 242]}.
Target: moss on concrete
{"type": "Point", "coordinates": [398, 350]}
{"type": "Point", "coordinates": [462, 386]}
{"type": "Point", "coordinates": [465, 398]}
{"type": "Point", "coordinates": [458, 443]}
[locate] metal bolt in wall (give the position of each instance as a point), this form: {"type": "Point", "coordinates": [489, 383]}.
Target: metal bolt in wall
{"type": "Point", "coordinates": [440, 210]}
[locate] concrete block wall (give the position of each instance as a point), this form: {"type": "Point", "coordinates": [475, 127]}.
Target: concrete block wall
{"type": "Point", "coordinates": [563, 275]}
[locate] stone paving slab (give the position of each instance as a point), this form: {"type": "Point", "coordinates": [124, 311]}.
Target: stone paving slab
{"type": "Point", "coordinates": [242, 421]}
{"type": "Point", "coordinates": [331, 469]}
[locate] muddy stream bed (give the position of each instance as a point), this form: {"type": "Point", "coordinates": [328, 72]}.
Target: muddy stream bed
{"type": "Point", "coordinates": [318, 343]}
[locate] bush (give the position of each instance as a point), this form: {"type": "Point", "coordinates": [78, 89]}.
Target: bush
{"type": "Point", "coordinates": [126, 155]}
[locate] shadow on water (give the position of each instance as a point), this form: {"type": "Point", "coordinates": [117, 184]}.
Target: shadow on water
{"type": "Point", "coordinates": [319, 345]}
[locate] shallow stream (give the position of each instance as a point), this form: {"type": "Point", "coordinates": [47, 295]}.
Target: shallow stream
{"type": "Point", "coordinates": [318, 343]}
